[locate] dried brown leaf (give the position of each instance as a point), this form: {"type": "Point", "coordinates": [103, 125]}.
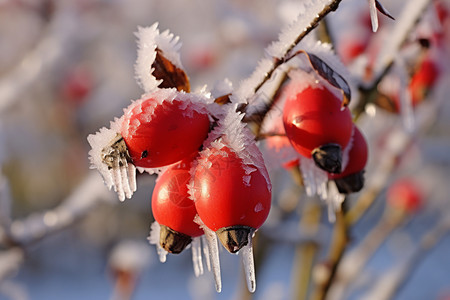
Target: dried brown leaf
{"type": "Point", "coordinates": [171, 75]}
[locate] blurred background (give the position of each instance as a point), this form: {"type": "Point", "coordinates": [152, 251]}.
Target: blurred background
{"type": "Point", "coordinates": [67, 69]}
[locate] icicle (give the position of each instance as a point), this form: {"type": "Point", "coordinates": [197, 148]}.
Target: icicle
{"type": "Point", "coordinates": [246, 254]}
{"type": "Point", "coordinates": [125, 182]}
{"type": "Point", "coordinates": [211, 239]}
{"type": "Point", "coordinates": [373, 15]}
{"type": "Point", "coordinates": [334, 201]}
{"type": "Point", "coordinates": [132, 177]}
{"type": "Point", "coordinates": [197, 256]}
{"type": "Point", "coordinates": [314, 178]}
{"type": "Point", "coordinates": [206, 252]}
{"type": "Point", "coordinates": [117, 177]}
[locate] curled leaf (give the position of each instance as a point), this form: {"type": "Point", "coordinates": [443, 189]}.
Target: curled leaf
{"type": "Point", "coordinates": [330, 75]}
{"type": "Point", "coordinates": [382, 10]}
{"type": "Point", "coordinates": [171, 75]}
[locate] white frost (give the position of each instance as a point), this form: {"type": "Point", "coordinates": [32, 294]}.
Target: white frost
{"type": "Point", "coordinates": [149, 38]}
{"type": "Point", "coordinates": [153, 239]}
{"type": "Point", "coordinates": [121, 178]}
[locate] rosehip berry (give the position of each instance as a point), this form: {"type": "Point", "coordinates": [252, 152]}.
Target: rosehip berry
{"type": "Point", "coordinates": [352, 177]}
{"type": "Point", "coordinates": [159, 133]}
{"type": "Point", "coordinates": [317, 125]}
{"type": "Point", "coordinates": [405, 195]}
{"type": "Point", "coordinates": [229, 200]}
{"type": "Point", "coordinates": [423, 80]}
{"type": "Point", "coordinates": [173, 209]}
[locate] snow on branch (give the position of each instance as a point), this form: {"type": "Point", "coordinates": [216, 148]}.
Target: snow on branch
{"type": "Point", "coordinates": [311, 14]}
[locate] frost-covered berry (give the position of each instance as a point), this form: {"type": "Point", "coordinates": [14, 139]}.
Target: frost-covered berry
{"type": "Point", "coordinates": [164, 127]}
{"type": "Point", "coordinates": [173, 209]}
{"type": "Point", "coordinates": [317, 125]}
{"type": "Point", "coordinates": [232, 199]}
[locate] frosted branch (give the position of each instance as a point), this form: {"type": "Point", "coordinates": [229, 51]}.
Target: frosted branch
{"type": "Point", "coordinates": [87, 195]}
{"type": "Point", "coordinates": [313, 12]}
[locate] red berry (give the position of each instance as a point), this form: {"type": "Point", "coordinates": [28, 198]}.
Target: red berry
{"type": "Point", "coordinates": [314, 117]}
{"type": "Point", "coordinates": [404, 194]}
{"type": "Point", "coordinates": [171, 204]}
{"type": "Point", "coordinates": [423, 80]}
{"type": "Point", "coordinates": [225, 195]}
{"type": "Point", "coordinates": [77, 85]}
{"type": "Point", "coordinates": [161, 133]}
{"type": "Point", "coordinates": [357, 156]}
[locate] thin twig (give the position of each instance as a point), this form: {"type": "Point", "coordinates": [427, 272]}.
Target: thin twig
{"type": "Point", "coordinates": [278, 62]}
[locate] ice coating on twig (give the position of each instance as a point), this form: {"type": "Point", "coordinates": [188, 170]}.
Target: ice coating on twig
{"type": "Point", "coordinates": [121, 175]}
{"type": "Point", "coordinates": [197, 256]}
{"type": "Point", "coordinates": [149, 38]}
{"type": "Point", "coordinates": [408, 16]}
{"type": "Point", "coordinates": [213, 249]}
{"type": "Point", "coordinates": [246, 254]}
{"type": "Point", "coordinates": [373, 15]}
{"type": "Point", "coordinates": [153, 239]}
{"type": "Point", "coordinates": [406, 108]}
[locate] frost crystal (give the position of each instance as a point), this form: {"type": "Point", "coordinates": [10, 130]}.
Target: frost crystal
{"type": "Point", "coordinates": [231, 132]}
{"type": "Point", "coordinates": [153, 239]}
{"type": "Point", "coordinates": [122, 174]}
{"type": "Point", "coordinates": [149, 38]}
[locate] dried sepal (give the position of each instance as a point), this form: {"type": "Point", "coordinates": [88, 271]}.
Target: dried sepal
{"type": "Point", "coordinates": [109, 155]}
{"type": "Point", "coordinates": [169, 73]}
{"type": "Point", "coordinates": [382, 10]}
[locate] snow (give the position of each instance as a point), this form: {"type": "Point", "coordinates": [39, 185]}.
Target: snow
{"type": "Point", "coordinates": [149, 38]}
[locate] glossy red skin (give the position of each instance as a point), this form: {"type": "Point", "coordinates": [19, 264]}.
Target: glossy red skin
{"type": "Point", "coordinates": [168, 137]}
{"type": "Point", "coordinates": [357, 156]}
{"type": "Point", "coordinates": [314, 118]}
{"type": "Point", "coordinates": [221, 197]}
{"type": "Point", "coordinates": [171, 205]}
{"type": "Point", "coordinates": [405, 194]}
